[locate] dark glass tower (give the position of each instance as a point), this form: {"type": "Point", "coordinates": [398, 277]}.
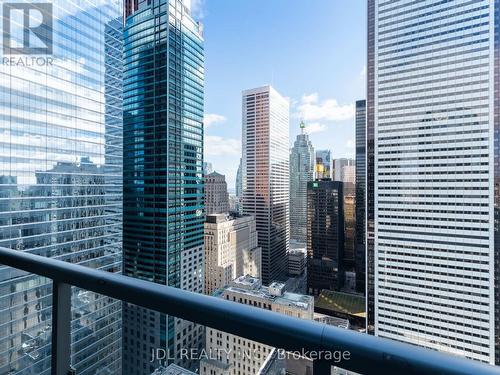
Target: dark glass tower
{"type": "Point", "coordinates": [360, 263]}
{"type": "Point", "coordinates": [325, 235]}
{"type": "Point", "coordinates": [163, 170]}
{"type": "Point", "coordinates": [370, 170]}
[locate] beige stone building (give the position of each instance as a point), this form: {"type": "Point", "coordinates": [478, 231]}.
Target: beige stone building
{"type": "Point", "coordinates": [230, 250]}
{"type": "Point", "coordinates": [239, 355]}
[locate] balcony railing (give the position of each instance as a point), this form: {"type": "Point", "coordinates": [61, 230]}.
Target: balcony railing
{"type": "Point", "coordinates": [368, 354]}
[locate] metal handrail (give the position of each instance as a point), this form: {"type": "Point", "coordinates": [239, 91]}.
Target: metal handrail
{"type": "Point", "coordinates": [368, 354]}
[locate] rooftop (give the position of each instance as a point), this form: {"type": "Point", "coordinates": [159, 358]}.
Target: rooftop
{"type": "Point", "coordinates": [215, 174]}
{"type": "Point", "coordinates": [251, 286]}
{"type": "Point", "coordinates": [218, 364]}
{"type": "Point", "coordinates": [333, 321]}
{"type": "Point", "coordinates": [345, 303]}
{"type": "Point", "coordinates": [276, 285]}
{"type": "Point", "coordinates": [301, 301]}
{"type": "Point", "coordinates": [172, 370]}
{"type": "Point", "coordinates": [297, 252]}
{"type": "Point", "coordinates": [222, 218]}
{"type": "Point", "coordinates": [247, 282]}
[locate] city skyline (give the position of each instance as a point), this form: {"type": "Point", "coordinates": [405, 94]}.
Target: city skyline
{"type": "Point", "coordinates": [196, 186]}
{"type": "Point", "coordinates": [329, 114]}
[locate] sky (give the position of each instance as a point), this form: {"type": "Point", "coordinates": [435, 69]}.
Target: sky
{"type": "Point", "coordinates": [313, 52]}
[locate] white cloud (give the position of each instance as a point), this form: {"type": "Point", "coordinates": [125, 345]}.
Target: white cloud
{"type": "Point", "coordinates": [311, 98]}
{"type": "Point", "coordinates": [212, 118]}
{"type": "Point", "coordinates": [215, 146]}
{"type": "Point", "coordinates": [197, 9]}
{"type": "Point", "coordinates": [311, 108]}
{"type": "Point", "coordinates": [315, 127]}
{"type": "Point", "coordinates": [349, 143]}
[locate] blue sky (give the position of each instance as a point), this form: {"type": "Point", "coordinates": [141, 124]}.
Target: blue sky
{"type": "Point", "coordinates": [312, 51]}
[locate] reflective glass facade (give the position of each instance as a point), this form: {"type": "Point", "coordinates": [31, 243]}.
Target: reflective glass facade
{"type": "Point", "coordinates": [435, 129]}
{"type": "Point", "coordinates": [301, 172]}
{"type": "Point", "coordinates": [360, 261]}
{"type": "Point", "coordinates": [370, 169]}
{"type": "Point", "coordinates": [325, 236]}
{"type": "Point", "coordinates": [323, 164]}
{"type": "Point", "coordinates": [163, 170]}
{"type": "Point", "coordinates": [61, 185]}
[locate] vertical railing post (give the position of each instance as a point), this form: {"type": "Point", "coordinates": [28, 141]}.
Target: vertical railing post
{"type": "Point", "coordinates": [61, 329]}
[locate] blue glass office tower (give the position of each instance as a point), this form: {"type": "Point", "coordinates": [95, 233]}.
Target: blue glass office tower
{"type": "Point", "coordinates": [163, 170]}
{"type": "Point", "coordinates": [61, 184]}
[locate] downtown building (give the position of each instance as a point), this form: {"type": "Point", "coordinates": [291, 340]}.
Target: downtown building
{"type": "Point", "coordinates": [265, 174]}
{"type": "Point", "coordinates": [163, 172]}
{"type": "Point", "coordinates": [370, 171]}
{"type": "Point", "coordinates": [360, 196]}
{"type": "Point", "coordinates": [344, 170]}
{"type": "Point", "coordinates": [349, 256]}
{"type": "Point", "coordinates": [323, 166]}
{"type": "Point", "coordinates": [216, 195]}
{"type": "Point", "coordinates": [231, 250]}
{"type": "Point", "coordinates": [301, 172]}
{"type": "Point", "coordinates": [238, 189]}
{"type": "Point", "coordinates": [325, 236]}
{"type": "Point", "coordinates": [61, 183]}
{"type": "Point", "coordinates": [434, 104]}
{"type": "Point", "coordinates": [241, 356]}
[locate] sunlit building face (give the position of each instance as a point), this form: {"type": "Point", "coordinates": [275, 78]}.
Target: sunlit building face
{"type": "Point", "coordinates": [61, 180]}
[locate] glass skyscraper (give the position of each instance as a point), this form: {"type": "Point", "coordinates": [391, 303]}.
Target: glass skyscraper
{"type": "Point", "coordinates": [301, 172]}
{"type": "Point", "coordinates": [370, 169]}
{"type": "Point", "coordinates": [325, 236]}
{"type": "Point", "coordinates": [323, 166]}
{"type": "Point", "coordinates": [360, 191]}
{"type": "Point", "coordinates": [436, 184]}
{"type": "Point", "coordinates": [61, 182]}
{"type": "Point", "coordinates": [239, 188]}
{"type": "Point", "coordinates": [163, 170]}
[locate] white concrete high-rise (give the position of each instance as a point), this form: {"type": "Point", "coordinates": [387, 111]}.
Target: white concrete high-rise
{"type": "Point", "coordinates": [344, 170]}
{"type": "Point", "coordinates": [348, 174]}
{"type": "Point", "coordinates": [436, 167]}
{"type": "Point", "coordinates": [265, 175]}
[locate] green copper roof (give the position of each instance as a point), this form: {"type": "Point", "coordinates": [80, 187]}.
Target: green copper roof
{"type": "Point", "coordinates": [346, 303]}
